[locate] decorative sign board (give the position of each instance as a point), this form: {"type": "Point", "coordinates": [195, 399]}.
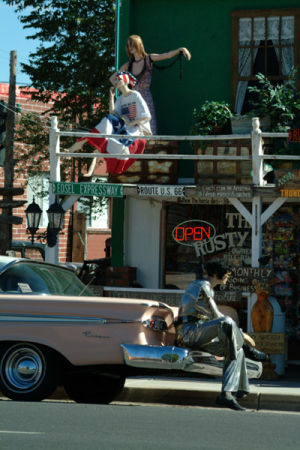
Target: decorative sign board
{"type": "Point", "coordinates": [151, 190]}
{"type": "Point", "coordinates": [202, 201]}
{"type": "Point", "coordinates": [152, 171]}
{"type": "Point", "coordinates": [241, 278]}
{"type": "Point", "coordinates": [271, 343]}
{"type": "Point", "coordinates": [88, 189]}
{"type": "Point", "coordinates": [246, 274]}
{"type": "Point", "coordinates": [225, 191]}
{"type": "Point", "coordinates": [224, 297]}
{"type": "Point", "coordinates": [295, 193]}
{"type": "Point", "coordinates": [191, 231]}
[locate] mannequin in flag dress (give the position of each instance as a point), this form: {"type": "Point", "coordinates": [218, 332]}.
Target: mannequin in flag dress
{"type": "Point", "coordinates": [129, 115]}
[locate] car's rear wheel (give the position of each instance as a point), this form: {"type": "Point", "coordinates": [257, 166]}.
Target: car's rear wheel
{"type": "Point", "coordinates": [27, 372]}
{"type": "Point", "coordinates": [93, 388]}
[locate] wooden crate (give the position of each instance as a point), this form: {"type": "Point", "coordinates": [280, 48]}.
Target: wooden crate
{"type": "Point", "coordinates": [223, 172]}
{"type": "Point", "coordinates": [146, 171]}
{"type": "Point", "coordinates": [271, 343]}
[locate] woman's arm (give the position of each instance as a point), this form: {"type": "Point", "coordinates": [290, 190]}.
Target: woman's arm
{"type": "Point", "coordinates": [113, 79]}
{"type": "Point", "coordinates": [111, 100]}
{"type": "Point", "coordinates": [171, 54]}
{"type": "Point", "coordinates": [136, 121]}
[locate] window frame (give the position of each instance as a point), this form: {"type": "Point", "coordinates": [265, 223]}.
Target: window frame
{"type": "Point", "coordinates": [253, 13]}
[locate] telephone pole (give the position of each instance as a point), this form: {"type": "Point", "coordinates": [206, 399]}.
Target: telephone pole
{"type": "Point", "coordinates": [10, 123]}
{"type": "Point", "coordinates": [7, 219]}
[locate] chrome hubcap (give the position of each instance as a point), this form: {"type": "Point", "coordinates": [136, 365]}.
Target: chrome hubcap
{"type": "Point", "coordinates": [23, 368]}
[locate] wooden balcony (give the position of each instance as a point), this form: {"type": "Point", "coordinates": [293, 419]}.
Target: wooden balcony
{"type": "Point", "coordinates": [233, 164]}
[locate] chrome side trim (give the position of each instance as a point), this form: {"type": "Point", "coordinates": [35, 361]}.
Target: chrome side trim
{"type": "Point", "coordinates": [154, 356]}
{"type": "Point", "coordinates": [39, 318]}
{"type": "Point", "coordinates": [177, 358]}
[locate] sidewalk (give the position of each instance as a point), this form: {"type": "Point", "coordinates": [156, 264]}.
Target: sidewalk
{"type": "Point", "coordinates": [281, 395]}
{"type": "Point", "coordinates": [277, 395]}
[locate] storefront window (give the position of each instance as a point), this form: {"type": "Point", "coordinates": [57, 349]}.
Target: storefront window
{"type": "Point", "coordinates": [281, 249]}
{"type": "Point", "coordinates": [230, 242]}
{"type": "Point", "coordinates": [231, 246]}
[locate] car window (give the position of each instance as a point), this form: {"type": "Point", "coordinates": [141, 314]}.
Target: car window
{"type": "Point", "coordinates": [25, 278]}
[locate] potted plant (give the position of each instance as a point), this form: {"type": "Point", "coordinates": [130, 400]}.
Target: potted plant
{"type": "Point", "coordinates": [212, 117]}
{"type": "Point", "coordinates": [280, 102]}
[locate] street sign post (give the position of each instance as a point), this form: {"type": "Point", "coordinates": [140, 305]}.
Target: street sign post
{"type": "Point", "coordinates": [88, 189]}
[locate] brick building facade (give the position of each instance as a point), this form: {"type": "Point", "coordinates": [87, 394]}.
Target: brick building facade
{"type": "Point", "coordinates": [95, 236]}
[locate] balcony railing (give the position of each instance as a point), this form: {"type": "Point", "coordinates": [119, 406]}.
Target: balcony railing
{"type": "Point", "coordinates": [256, 136]}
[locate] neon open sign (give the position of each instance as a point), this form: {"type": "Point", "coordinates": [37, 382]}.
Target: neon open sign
{"type": "Point", "coordinates": [191, 231]}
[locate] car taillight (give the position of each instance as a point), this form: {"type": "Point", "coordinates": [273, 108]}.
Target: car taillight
{"type": "Point", "coordinates": [156, 323]}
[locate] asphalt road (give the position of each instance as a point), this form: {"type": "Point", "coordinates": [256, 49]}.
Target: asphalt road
{"type": "Point", "coordinates": [64, 426]}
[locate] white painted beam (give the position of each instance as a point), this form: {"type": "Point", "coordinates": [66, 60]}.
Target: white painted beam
{"type": "Point", "coordinates": [272, 209]}
{"type": "Point", "coordinates": [241, 209]}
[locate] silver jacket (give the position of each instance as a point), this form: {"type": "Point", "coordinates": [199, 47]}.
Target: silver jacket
{"type": "Point", "coordinates": [198, 301]}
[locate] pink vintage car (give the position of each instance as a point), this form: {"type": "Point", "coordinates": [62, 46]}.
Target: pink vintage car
{"type": "Point", "coordinates": [54, 332]}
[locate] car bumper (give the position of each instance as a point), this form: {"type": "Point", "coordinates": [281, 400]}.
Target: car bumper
{"type": "Point", "coordinates": [177, 358]}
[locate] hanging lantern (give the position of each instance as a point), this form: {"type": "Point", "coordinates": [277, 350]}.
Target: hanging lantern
{"type": "Point", "coordinates": [56, 217]}
{"type": "Point", "coordinates": [33, 216]}
{"type": "Point", "coordinates": [56, 221]}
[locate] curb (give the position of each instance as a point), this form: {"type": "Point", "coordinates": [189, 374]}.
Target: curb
{"type": "Point", "coordinates": [206, 398]}
{"type": "Point", "coordinates": [280, 402]}
{"type": "Point", "coordinates": [183, 397]}
{"type": "Point", "coordinates": [255, 401]}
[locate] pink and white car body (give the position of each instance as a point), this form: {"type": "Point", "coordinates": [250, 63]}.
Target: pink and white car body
{"type": "Point", "coordinates": [46, 340]}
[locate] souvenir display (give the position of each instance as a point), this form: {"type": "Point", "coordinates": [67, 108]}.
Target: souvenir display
{"type": "Point", "coordinates": [282, 246]}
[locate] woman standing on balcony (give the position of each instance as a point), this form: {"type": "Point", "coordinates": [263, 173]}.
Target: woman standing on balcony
{"type": "Point", "coordinates": [140, 64]}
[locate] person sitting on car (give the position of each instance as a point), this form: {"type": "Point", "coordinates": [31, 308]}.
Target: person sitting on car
{"type": "Point", "coordinates": [128, 116]}
{"type": "Point", "coordinates": [201, 326]}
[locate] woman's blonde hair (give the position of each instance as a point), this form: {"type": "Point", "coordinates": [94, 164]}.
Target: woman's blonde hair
{"type": "Point", "coordinates": [135, 41]}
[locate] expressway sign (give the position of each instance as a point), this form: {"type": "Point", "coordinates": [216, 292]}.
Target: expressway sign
{"type": "Point", "coordinates": [88, 189]}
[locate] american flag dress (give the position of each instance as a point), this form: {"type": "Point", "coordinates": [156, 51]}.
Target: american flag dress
{"type": "Point", "coordinates": [133, 107]}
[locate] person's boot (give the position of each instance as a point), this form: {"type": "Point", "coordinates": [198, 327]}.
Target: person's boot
{"type": "Point", "coordinates": [240, 394]}
{"type": "Point", "coordinates": [227, 399]}
{"type": "Point", "coordinates": [254, 354]}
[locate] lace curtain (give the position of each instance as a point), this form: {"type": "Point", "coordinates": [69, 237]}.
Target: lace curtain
{"type": "Point", "coordinates": [263, 29]}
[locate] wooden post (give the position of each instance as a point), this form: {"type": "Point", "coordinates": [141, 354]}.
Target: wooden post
{"type": "Point", "coordinates": [79, 237]}
{"type": "Point", "coordinates": [257, 153]}
{"type": "Point", "coordinates": [6, 228]}
{"type": "Point", "coordinates": [257, 174]}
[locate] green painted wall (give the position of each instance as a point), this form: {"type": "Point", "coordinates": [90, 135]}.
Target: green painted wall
{"type": "Point", "coordinates": [117, 232]}
{"type": "Point", "coordinates": [204, 27]}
